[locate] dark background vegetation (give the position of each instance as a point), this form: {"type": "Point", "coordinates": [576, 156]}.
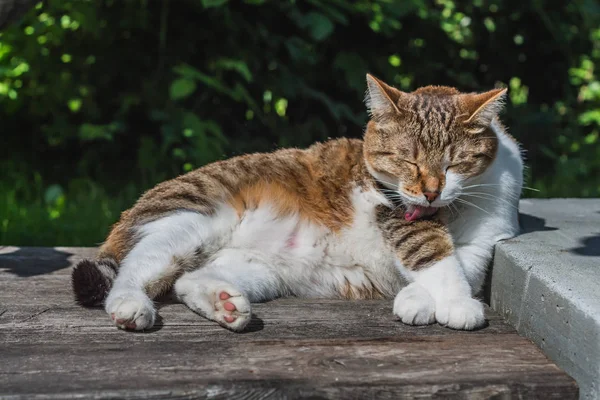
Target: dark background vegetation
{"type": "Point", "coordinates": [100, 100]}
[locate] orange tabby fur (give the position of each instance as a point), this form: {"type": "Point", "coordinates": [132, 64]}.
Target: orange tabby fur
{"type": "Point", "coordinates": [316, 183]}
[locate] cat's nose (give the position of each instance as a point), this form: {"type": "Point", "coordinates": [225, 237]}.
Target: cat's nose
{"type": "Point", "coordinates": [431, 196]}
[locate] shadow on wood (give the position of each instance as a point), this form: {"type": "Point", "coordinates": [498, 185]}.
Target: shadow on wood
{"type": "Point", "coordinates": [31, 261]}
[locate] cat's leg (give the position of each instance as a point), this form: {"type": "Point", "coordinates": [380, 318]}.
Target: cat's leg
{"type": "Point", "coordinates": [439, 290]}
{"type": "Point", "coordinates": [223, 289]}
{"type": "Point", "coordinates": [475, 259]}
{"type": "Point", "coordinates": [153, 262]}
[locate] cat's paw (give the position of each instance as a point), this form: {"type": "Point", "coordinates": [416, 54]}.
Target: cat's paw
{"type": "Point", "coordinates": [216, 300]}
{"type": "Point", "coordinates": [135, 312]}
{"type": "Point", "coordinates": [463, 313]}
{"type": "Point", "coordinates": [414, 306]}
{"type": "Point", "coordinates": [232, 309]}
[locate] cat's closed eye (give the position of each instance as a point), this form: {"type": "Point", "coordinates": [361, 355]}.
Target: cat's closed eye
{"type": "Point", "coordinates": [381, 153]}
{"type": "Point", "coordinates": [458, 164]}
{"type": "Point", "coordinates": [476, 156]}
{"type": "Point", "coordinates": [409, 162]}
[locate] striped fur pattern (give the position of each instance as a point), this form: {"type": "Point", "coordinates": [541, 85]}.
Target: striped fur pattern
{"type": "Point", "coordinates": [393, 215]}
{"type": "Point", "coordinates": [417, 244]}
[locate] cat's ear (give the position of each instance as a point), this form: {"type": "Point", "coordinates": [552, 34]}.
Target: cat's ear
{"type": "Point", "coordinates": [481, 108]}
{"type": "Point", "coordinates": [382, 99]}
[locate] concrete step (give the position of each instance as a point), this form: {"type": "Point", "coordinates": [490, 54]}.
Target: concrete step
{"type": "Point", "coordinates": [546, 282]}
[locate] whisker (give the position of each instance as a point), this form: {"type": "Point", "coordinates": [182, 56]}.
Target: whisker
{"type": "Point", "coordinates": [389, 191]}
{"type": "Point", "coordinates": [451, 212]}
{"type": "Point", "coordinates": [457, 209]}
{"type": "Point", "coordinates": [384, 181]}
{"type": "Point", "coordinates": [490, 198]}
{"type": "Point", "coordinates": [499, 184]}
{"type": "Point", "coordinates": [398, 206]}
{"type": "Point", "coordinates": [509, 195]}
{"type": "Point", "coordinates": [471, 204]}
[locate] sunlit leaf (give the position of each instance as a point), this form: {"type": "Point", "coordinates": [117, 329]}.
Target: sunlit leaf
{"type": "Point", "coordinates": [74, 104]}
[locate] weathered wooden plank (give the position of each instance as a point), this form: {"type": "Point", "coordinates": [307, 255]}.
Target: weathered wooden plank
{"type": "Point", "coordinates": [401, 364]}
{"type": "Point", "coordinates": [282, 319]}
{"type": "Point", "coordinates": [278, 389]}
{"type": "Point", "coordinates": [294, 348]}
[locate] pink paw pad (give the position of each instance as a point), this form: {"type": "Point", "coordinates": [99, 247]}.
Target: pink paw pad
{"type": "Point", "coordinates": [231, 309]}
{"type": "Point", "coordinates": [224, 295]}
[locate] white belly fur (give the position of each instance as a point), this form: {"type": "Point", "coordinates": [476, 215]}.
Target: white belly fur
{"type": "Point", "coordinates": [311, 260]}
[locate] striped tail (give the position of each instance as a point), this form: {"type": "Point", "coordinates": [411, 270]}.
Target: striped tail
{"type": "Point", "coordinates": [92, 279]}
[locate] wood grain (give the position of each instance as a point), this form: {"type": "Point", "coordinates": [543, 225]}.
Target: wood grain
{"type": "Point", "coordinates": [294, 348]}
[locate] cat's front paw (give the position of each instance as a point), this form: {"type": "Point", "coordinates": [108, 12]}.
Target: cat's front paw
{"type": "Point", "coordinates": [463, 313]}
{"type": "Point", "coordinates": [414, 306]}
{"type": "Point", "coordinates": [129, 311]}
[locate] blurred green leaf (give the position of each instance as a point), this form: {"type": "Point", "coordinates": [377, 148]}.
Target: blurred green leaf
{"type": "Point", "coordinates": [235, 65]}
{"type": "Point", "coordinates": [300, 50]}
{"type": "Point", "coordinates": [181, 88]}
{"type": "Point", "coordinates": [213, 3]}
{"type": "Point", "coordinates": [318, 25]}
{"type": "Point", "coordinates": [52, 194]}
{"type": "Point", "coordinates": [94, 132]}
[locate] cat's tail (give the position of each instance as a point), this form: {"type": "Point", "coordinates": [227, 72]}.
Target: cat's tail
{"type": "Point", "coordinates": [92, 279]}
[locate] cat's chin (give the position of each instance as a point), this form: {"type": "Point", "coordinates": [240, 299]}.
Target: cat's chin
{"type": "Point", "coordinates": [415, 212]}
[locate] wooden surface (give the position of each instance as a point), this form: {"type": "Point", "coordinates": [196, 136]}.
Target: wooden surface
{"type": "Point", "coordinates": [50, 348]}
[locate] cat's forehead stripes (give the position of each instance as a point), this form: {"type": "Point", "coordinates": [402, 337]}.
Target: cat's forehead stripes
{"type": "Point", "coordinates": [435, 114]}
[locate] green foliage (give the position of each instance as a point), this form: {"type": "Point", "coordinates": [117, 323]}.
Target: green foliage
{"type": "Point", "coordinates": [99, 96]}
{"type": "Point", "coordinates": [78, 216]}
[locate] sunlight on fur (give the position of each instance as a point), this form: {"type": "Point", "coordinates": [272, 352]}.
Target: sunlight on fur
{"type": "Point", "coordinates": [413, 211]}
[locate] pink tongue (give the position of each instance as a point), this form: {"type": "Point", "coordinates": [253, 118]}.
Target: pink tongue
{"type": "Point", "coordinates": [415, 214]}
{"type": "Point", "coordinates": [419, 212]}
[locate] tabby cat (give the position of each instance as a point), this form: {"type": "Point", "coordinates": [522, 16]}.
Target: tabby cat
{"type": "Point", "coordinates": [412, 211]}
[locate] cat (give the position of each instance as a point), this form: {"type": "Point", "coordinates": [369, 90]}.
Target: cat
{"type": "Point", "coordinates": [413, 211]}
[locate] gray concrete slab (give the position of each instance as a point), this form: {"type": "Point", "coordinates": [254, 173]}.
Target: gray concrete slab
{"type": "Point", "coordinates": [546, 282]}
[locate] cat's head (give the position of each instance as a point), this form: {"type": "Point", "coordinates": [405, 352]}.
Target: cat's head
{"type": "Point", "coordinates": [428, 144]}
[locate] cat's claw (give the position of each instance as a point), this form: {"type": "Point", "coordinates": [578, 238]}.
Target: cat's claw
{"type": "Point", "coordinates": [463, 313]}
{"type": "Point", "coordinates": [414, 306]}
{"type": "Point", "coordinates": [131, 312]}
{"type": "Point", "coordinates": [232, 309]}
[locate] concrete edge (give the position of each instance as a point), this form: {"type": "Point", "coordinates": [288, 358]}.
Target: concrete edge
{"type": "Point", "coordinates": [563, 331]}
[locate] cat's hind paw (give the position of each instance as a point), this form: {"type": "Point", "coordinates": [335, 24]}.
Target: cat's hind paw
{"type": "Point", "coordinates": [232, 309]}
{"type": "Point", "coordinates": [131, 312]}
{"type": "Point", "coordinates": [463, 313]}
{"type": "Point", "coordinates": [414, 306]}
{"type": "Point", "coordinates": [216, 300]}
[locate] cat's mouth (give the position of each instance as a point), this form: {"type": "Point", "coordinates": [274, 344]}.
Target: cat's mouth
{"type": "Point", "coordinates": [414, 212]}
